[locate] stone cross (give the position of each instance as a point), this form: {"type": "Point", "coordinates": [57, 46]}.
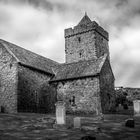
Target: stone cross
{"type": "Point", "coordinates": [60, 112]}
{"type": "Point", "coordinates": [77, 122]}
{"type": "Point", "coordinates": [136, 104]}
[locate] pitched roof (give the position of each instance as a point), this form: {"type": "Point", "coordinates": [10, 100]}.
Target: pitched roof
{"type": "Point", "coordinates": [29, 58]}
{"type": "Point", "coordinates": [79, 69]}
{"type": "Point", "coordinates": [84, 20]}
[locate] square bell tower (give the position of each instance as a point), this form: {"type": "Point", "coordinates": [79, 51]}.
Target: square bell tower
{"type": "Point", "coordinates": [85, 41]}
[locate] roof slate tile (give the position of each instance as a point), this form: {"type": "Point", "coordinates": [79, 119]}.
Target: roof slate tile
{"type": "Point", "coordinates": [29, 58]}
{"type": "Point", "coordinates": [79, 69]}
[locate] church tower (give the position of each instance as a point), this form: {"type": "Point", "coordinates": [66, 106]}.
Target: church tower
{"type": "Point", "coordinates": [85, 41]}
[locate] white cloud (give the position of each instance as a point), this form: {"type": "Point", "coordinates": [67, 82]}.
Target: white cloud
{"type": "Point", "coordinates": [33, 30]}
{"type": "Point", "coordinates": [39, 26]}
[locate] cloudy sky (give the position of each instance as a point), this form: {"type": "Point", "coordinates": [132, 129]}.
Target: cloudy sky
{"type": "Point", "coordinates": [38, 25]}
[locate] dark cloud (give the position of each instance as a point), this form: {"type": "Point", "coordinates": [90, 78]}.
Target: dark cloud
{"type": "Point", "coordinates": [41, 4]}
{"type": "Point", "coordinates": [121, 3]}
{"type": "Point", "coordinates": [117, 13]}
{"type": "Point", "coordinates": [5, 17]}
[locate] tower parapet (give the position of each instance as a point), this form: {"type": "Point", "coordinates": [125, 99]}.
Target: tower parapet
{"type": "Point", "coordinates": [85, 41]}
{"type": "Point", "coordinates": [79, 29]}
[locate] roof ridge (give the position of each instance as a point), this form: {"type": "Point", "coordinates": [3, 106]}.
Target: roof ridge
{"type": "Point", "coordinates": [80, 69]}
{"type": "Point", "coordinates": [1, 40]}
{"type": "Point", "coordinates": [29, 58]}
{"type": "Point", "coordinates": [10, 52]}
{"type": "Point", "coordinates": [85, 20]}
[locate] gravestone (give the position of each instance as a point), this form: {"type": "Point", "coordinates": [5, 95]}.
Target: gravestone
{"type": "Point", "coordinates": [136, 104]}
{"type": "Point", "coordinates": [130, 123]}
{"type": "Point", "coordinates": [77, 122]}
{"type": "Point", "coordinates": [60, 113]}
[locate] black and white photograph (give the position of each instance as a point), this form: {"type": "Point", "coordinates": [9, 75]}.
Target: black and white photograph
{"type": "Point", "coordinates": [69, 69]}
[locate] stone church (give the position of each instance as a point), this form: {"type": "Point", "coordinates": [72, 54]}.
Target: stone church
{"type": "Point", "coordinates": [85, 82]}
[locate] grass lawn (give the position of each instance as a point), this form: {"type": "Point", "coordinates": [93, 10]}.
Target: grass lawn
{"type": "Point", "coordinates": [33, 126]}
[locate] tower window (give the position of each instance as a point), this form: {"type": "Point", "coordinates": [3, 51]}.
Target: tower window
{"type": "Point", "coordinates": [72, 101]}
{"type": "Point", "coordinates": [79, 39]}
{"type": "Point", "coordinates": [10, 65]}
{"type": "Point", "coordinates": [80, 54]}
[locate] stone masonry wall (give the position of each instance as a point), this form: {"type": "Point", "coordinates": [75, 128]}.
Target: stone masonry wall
{"type": "Point", "coordinates": [85, 42]}
{"type": "Point", "coordinates": [107, 88]}
{"type": "Point", "coordinates": [34, 92]}
{"type": "Point", "coordinates": [80, 47]}
{"type": "Point", "coordinates": [81, 96]}
{"type": "Point", "coordinates": [85, 46]}
{"type": "Point", "coordinates": [8, 82]}
{"type": "Point", "coordinates": [101, 45]}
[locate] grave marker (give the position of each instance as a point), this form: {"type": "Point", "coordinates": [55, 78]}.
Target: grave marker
{"type": "Point", "coordinates": [136, 104]}
{"type": "Point", "coordinates": [60, 112]}
{"type": "Point", "coordinates": [77, 122]}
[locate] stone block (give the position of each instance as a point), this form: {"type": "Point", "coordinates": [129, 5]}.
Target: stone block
{"type": "Point", "coordinates": [77, 122]}
{"type": "Point", "coordinates": [130, 123]}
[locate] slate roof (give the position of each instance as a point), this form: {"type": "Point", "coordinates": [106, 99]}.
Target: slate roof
{"type": "Point", "coordinates": [64, 71]}
{"type": "Point", "coordinates": [79, 69]}
{"type": "Point", "coordinates": [29, 58]}
{"type": "Point", "coordinates": [85, 20]}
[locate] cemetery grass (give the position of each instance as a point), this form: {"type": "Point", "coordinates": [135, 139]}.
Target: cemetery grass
{"type": "Point", "coordinates": [31, 126]}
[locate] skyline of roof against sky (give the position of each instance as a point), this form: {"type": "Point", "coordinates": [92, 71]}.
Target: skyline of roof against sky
{"type": "Point", "coordinates": [38, 25]}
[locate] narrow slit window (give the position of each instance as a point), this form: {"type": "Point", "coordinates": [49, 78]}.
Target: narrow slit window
{"type": "Point", "coordinates": [80, 54]}
{"type": "Point", "coordinates": [79, 39]}
{"type": "Point", "coordinates": [72, 101]}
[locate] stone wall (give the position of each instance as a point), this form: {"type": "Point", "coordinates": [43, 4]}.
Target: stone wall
{"type": "Point", "coordinates": [80, 47]}
{"type": "Point", "coordinates": [107, 88]}
{"type": "Point", "coordinates": [85, 42]}
{"type": "Point", "coordinates": [81, 96]}
{"type": "Point", "coordinates": [101, 45]}
{"type": "Point", "coordinates": [8, 82]}
{"type": "Point", "coordinates": [34, 92]}
{"type": "Point", "coordinates": [79, 29]}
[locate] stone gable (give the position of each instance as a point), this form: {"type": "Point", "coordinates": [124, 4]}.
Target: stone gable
{"type": "Point", "coordinates": [29, 58]}
{"type": "Point", "coordinates": [107, 92]}
{"type": "Point", "coordinates": [79, 69]}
